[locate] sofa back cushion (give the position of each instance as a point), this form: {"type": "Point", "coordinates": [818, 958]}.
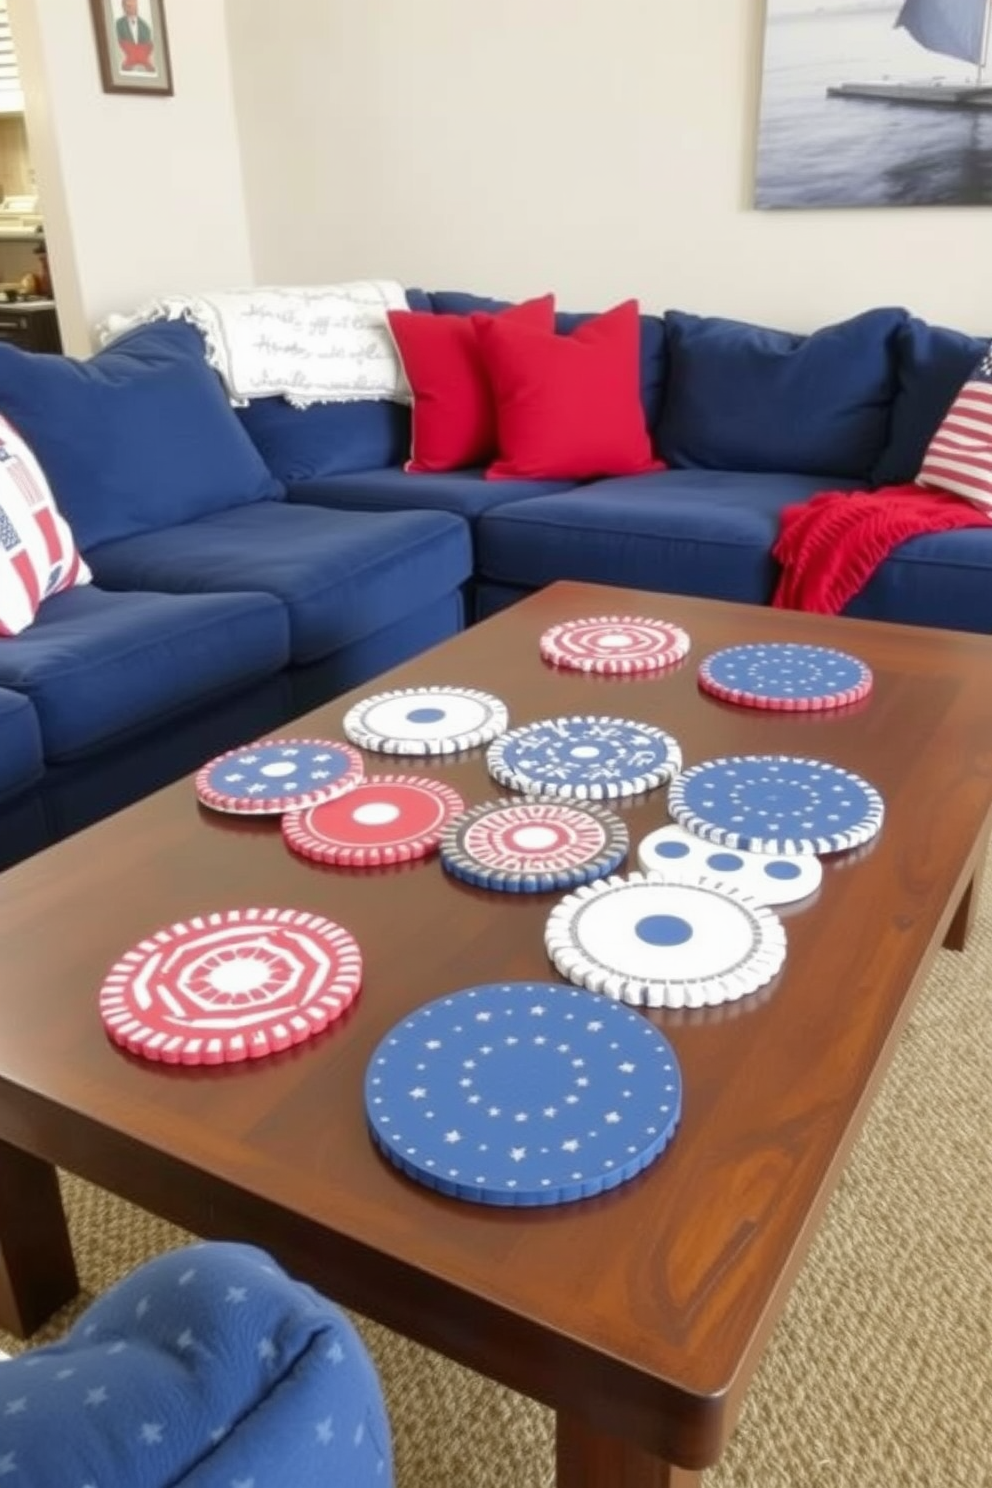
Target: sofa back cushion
{"type": "Point", "coordinates": [744, 397]}
{"type": "Point", "coordinates": [932, 363]}
{"type": "Point", "coordinates": [138, 437]}
{"type": "Point", "coordinates": [299, 444]}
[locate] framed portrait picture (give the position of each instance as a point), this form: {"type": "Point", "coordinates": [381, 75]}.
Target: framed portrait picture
{"type": "Point", "coordinates": [133, 46]}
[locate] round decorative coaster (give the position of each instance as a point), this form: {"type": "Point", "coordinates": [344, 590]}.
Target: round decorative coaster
{"type": "Point", "coordinates": [665, 942]}
{"type": "Point", "coordinates": [276, 775]}
{"type": "Point", "coordinates": [584, 758]}
{"type": "Point", "coordinates": [533, 847]}
{"type": "Point", "coordinates": [773, 803]}
{"type": "Point", "coordinates": [614, 645]}
{"type": "Point", "coordinates": [786, 677]}
{"type": "Point", "coordinates": [523, 1093]}
{"type": "Point", "coordinates": [235, 984]}
{"type": "Point", "coordinates": [384, 819]}
{"type": "Point", "coordinates": [426, 720]}
{"type": "Point", "coordinates": [771, 879]}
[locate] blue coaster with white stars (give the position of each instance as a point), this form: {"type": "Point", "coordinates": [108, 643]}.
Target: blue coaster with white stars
{"type": "Point", "coordinates": [277, 775]}
{"type": "Point", "coordinates": [773, 803]}
{"type": "Point", "coordinates": [584, 758]}
{"type": "Point", "coordinates": [784, 676]}
{"type": "Point", "coordinates": [523, 1094]}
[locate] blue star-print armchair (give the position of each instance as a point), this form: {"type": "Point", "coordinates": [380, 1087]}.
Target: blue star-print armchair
{"type": "Point", "coordinates": [208, 1367]}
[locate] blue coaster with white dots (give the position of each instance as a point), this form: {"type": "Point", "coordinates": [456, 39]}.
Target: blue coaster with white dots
{"type": "Point", "coordinates": [584, 758]}
{"type": "Point", "coordinates": [426, 720]}
{"type": "Point", "coordinates": [277, 775]}
{"type": "Point", "coordinates": [784, 676]}
{"type": "Point", "coordinates": [773, 803]}
{"type": "Point", "coordinates": [672, 942]}
{"type": "Point", "coordinates": [769, 878]}
{"type": "Point", "coordinates": [523, 1094]}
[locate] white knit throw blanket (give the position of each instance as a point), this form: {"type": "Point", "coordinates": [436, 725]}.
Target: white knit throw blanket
{"type": "Point", "coordinates": [325, 343]}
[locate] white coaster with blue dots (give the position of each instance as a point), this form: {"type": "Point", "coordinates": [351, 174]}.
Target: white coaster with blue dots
{"type": "Point", "coordinates": [426, 720]}
{"type": "Point", "coordinates": [766, 877]}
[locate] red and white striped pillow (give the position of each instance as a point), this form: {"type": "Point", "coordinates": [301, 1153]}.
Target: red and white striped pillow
{"type": "Point", "coordinates": [959, 456]}
{"type": "Point", "coordinates": [38, 555]}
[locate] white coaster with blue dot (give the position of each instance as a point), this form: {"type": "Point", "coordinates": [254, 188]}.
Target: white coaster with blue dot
{"type": "Point", "coordinates": [584, 758]}
{"type": "Point", "coordinates": [523, 1094]}
{"type": "Point", "coordinates": [426, 720]}
{"type": "Point", "coordinates": [769, 878]}
{"type": "Point", "coordinates": [774, 803]}
{"type": "Point", "coordinates": [665, 942]}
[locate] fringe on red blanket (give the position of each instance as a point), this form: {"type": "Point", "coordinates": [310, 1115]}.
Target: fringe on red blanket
{"type": "Point", "coordinates": [830, 546]}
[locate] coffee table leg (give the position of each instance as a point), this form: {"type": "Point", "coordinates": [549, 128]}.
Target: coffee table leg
{"type": "Point", "coordinates": [964, 916]}
{"type": "Point", "coordinates": [37, 1271]}
{"type": "Point", "coordinates": [585, 1459]}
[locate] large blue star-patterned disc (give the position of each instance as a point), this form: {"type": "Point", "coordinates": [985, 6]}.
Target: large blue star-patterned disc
{"type": "Point", "coordinates": [784, 676]}
{"type": "Point", "coordinates": [773, 803]}
{"type": "Point", "coordinates": [523, 1093]}
{"type": "Point", "coordinates": [584, 758]}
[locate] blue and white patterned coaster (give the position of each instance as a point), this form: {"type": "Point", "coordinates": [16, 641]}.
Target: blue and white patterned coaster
{"type": "Point", "coordinates": [277, 775]}
{"type": "Point", "coordinates": [426, 720]}
{"type": "Point", "coordinates": [533, 847]}
{"type": "Point", "coordinates": [771, 879]}
{"type": "Point", "coordinates": [784, 676]}
{"type": "Point", "coordinates": [773, 803]}
{"type": "Point", "coordinates": [523, 1093]}
{"type": "Point", "coordinates": [658, 941]}
{"type": "Point", "coordinates": [584, 758]}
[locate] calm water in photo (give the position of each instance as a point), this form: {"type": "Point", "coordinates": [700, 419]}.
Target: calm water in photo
{"type": "Point", "coordinates": [816, 151]}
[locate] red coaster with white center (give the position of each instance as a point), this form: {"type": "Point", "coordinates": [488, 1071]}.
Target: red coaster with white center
{"type": "Point", "coordinates": [614, 645]}
{"type": "Point", "coordinates": [235, 984]}
{"type": "Point", "coordinates": [385, 819]}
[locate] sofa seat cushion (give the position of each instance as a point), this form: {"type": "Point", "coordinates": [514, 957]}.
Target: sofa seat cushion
{"type": "Point", "coordinates": [707, 533]}
{"type": "Point", "coordinates": [466, 493]}
{"type": "Point", "coordinates": [138, 436]}
{"type": "Point", "coordinates": [942, 579]}
{"type": "Point", "coordinates": [744, 397]}
{"type": "Point", "coordinates": [100, 666]}
{"type": "Point", "coordinates": [21, 757]}
{"type": "Point", "coordinates": [206, 1367]}
{"type": "Point", "coordinates": [340, 574]}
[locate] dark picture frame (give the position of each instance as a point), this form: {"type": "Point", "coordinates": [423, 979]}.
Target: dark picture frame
{"type": "Point", "coordinates": [133, 59]}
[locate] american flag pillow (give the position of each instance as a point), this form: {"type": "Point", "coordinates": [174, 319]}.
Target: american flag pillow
{"type": "Point", "coordinates": [959, 456]}
{"type": "Point", "coordinates": [38, 556]}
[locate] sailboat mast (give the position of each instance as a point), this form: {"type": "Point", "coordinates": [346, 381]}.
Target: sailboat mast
{"type": "Point", "coordinates": [984, 58]}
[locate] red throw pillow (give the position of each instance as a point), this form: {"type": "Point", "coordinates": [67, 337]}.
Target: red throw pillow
{"type": "Point", "coordinates": [453, 417]}
{"type": "Point", "coordinates": [568, 407]}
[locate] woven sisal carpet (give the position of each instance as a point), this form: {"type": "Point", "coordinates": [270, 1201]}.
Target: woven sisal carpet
{"type": "Point", "coordinates": [879, 1374]}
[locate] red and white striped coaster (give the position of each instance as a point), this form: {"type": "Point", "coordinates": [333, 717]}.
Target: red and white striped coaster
{"type": "Point", "coordinates": [614, 645]}
{"type": "Point", "coordinates": [385, 819]}
{"type": "Point", "coordinates": [231, 985]}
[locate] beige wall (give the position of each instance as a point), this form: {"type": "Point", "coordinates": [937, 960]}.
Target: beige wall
{"type": "Point", "coordinates": [141, 195]}
{"type": "Point", "coordinates": [600, 149]}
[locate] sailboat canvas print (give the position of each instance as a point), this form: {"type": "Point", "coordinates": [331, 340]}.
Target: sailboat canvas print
{"type": "Point", "coordinates": [875, 103]}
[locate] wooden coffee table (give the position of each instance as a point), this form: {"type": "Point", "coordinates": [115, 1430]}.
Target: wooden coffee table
{"type": "Point", "coordinates": [639, 1316]}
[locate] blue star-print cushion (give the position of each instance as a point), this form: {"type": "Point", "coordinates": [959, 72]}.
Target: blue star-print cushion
{"type": "Point", "coordinates": [207, 1367]}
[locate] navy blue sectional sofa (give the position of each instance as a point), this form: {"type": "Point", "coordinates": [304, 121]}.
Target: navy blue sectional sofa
{"type": "Point", "coordinates": [251, 563]}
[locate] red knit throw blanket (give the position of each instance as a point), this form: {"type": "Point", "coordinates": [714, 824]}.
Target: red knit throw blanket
{"type": "Point", "coordinates": [830, 546]}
